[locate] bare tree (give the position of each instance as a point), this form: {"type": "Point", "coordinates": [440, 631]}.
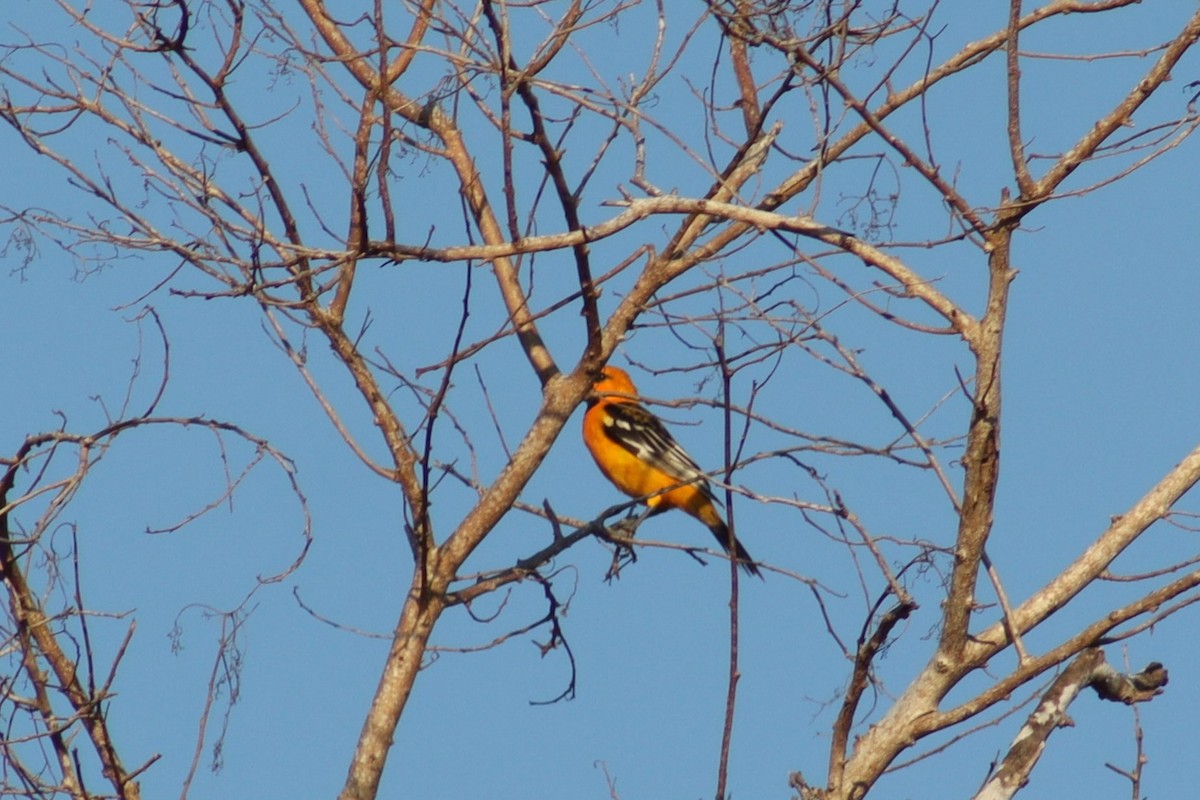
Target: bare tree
{"type": "Point", "coordinates": [728, 181]}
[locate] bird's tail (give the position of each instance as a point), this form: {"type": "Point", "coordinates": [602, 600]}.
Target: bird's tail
{"type": "Point", "coordinates": [721, 531]}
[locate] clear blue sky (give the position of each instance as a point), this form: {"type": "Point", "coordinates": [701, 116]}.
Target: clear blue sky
{"type": "Point", "coordinates": [1100, 385]}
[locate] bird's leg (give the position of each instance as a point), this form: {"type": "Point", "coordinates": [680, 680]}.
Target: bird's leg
{"type": "Point", "coordinates": [624, 554]}
{"type": "Point", "coordinates": [629, 525]}
{"type": "Point", "coordinates": [624, 530]}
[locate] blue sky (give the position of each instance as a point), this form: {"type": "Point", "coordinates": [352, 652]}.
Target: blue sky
{"type": "Point", "coordinates": [1100, 384]}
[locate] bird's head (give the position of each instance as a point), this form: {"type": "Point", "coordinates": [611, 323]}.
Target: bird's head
{"type": "Point", "coordinates": [613, 380]}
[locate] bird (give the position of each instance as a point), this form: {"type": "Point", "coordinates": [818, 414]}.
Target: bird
{"type": "Point", "coordinates": [636, 452]}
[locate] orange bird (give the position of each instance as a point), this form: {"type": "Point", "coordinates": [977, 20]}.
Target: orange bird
{"type": "Point", "coordinates": [637, 453]}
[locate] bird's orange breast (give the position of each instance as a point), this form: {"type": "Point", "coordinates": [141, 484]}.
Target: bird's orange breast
{"type": "Point", "coordinates": [628, 473]}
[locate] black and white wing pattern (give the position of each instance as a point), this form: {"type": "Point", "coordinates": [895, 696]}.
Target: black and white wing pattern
{"type": "Point", "coordinates": [643, 434]}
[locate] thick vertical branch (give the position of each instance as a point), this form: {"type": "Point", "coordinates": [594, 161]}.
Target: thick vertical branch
{"type": "Point", "coordinates": [981, 462]}
{"type": "Point", "coordinates": [747, 89]}
{"type": "Point", "coordinates": [420, 613]}
{"type": "Point", "coordinates": [426, 602]}
{"type": "Point", "coordinates": [358, 234]}
{"type": "Point", "coordinates": [876, 749]}
{"type": "Point", "coordinates": [1016, 145]}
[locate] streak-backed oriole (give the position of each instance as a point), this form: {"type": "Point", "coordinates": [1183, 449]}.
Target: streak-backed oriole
{"type": "Point", "coordinates": [637, 453]}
